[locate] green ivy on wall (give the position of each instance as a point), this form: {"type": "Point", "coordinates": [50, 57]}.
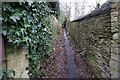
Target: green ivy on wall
{"type": "Point", "coordinates": [27, 25]}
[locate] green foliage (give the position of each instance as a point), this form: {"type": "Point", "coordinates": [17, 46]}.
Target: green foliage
{"type": "Point", "coordinates": [10, 52]}
{"type": "Point", "coordinates": [28, 25]}
{"type": "Point", "coordinates": [57, 10]}
{"type": "Point", "coordinates": [54, 6]}
{"type": "Point", "coordinates": [4, 74]}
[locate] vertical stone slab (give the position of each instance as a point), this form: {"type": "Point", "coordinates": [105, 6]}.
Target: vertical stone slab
{"type": "Point", "coordinates": [17, 61]}
{"type": "Point", "coordinates": [1, 39]}
{"type": "Point", "coordinates": [114, 62]}
{"type": "Point", "coordinates": [119, 39]}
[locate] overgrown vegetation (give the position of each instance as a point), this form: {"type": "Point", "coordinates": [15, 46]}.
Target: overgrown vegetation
{"type": "Point", "coordinates": [54, 6]}
{"type": "Point", "coordinates": [27, 25]}
{"type": "Point", "coordinates": [4, 74]}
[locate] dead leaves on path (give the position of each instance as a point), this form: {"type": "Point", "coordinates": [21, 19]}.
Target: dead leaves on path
{"type": "Point", "coordinates": [56, 66]}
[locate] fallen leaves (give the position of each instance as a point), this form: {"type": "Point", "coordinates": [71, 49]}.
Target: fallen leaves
{"type": "Point", "coordinates": [56, 65]}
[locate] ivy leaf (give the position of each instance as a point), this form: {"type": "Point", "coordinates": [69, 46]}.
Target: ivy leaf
{"type": "Point", "coordinates": [24, 47]}
{"type": "Point", "coordinates": [11, 71]}
{"type": "Point", "coordinates": [9, 40]}
{"type": "Point", "coordinates": [17, 33]}
{"type": "Point", "coordinates": [15, 17]}
{"type": "Point", "coordinates": [22, 30]}
{"type": "Point", "coordinates": [30, 2]}
{"type": "Point", "coordinates": [28, 56]}
{"type": "Point", "coordinates": [4, 32]}
{"type": "Point", "coordinates": [27, 25]}
{"type": "Point", "coordinates": [27, 68]}
{"type": "Point", "coordinates": [16, 41]}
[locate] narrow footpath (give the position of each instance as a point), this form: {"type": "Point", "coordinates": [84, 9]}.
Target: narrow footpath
{"type": "Point", "coordinates": [65, 62]}
{"type": "Point", "coordinates": [70, 58]}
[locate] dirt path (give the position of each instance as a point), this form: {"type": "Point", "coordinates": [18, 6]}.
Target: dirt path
{"type": "Point", "coordinates": [70, 58]}
{"type": "Point", "coordinates": [69, 64]}
{"type": "Point", "coordinates": [65, 61]}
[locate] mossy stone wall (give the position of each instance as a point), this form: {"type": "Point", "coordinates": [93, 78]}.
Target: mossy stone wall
{"type": "Point", "coordinates": [96, 34]}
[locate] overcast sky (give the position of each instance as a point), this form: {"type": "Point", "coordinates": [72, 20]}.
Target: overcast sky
{"type": "Point", "coordinates": [87, 9]}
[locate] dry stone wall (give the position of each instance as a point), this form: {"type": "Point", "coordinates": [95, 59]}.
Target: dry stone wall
{"type": "Point", "coordinates": [115, 41]}
{"type": "Point", "coordinates": [96, 34]}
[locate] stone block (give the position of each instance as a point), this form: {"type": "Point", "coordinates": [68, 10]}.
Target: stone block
{"type": "Point", "coordinates": [114, 56]}
{"type": "Point", "coordinates": [114, 19]}
{"type": "Point", "coordinates": [102, 68]}
{"type": "Point", "coordinates": [103, 75]}
{"type": "Point", "coordinates": [115, 36]}
{"type": "Point", "coordinates": [114, 44]}
{"type": "Point", "coordinates": [114, 74]}
{"type": "Point", "coordinates": [114, 50]}
{"type": "Point", "coordinates": [114, 5]}
{"type": "Point", "coordinates": [114, 14]}
{"type": "Point", "coordinates": [113, 66]}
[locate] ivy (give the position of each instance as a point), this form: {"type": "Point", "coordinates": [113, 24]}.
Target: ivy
{"type": "Point", "coordinates": [27, 25]}
{"type": "Point", "coordinates": [4, 75]}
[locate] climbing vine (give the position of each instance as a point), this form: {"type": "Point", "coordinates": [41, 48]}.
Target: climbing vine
{"type": "Point", "coordinates": [27, 25]}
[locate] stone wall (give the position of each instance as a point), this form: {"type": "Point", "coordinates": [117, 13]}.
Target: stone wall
{"type": "Point", "coordinates": [96, 34]}
{"type": "Point", "coordinates": [16, 60]}
{"type": "Point", "coordinates": [115, 41]}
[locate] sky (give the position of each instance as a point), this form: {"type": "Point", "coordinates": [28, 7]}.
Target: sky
{"type": "Point", "coordinates": [90, 4]}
